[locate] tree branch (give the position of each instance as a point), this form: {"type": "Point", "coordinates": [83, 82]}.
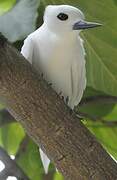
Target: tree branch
{"type": "Point", "coordinates": [111, 123]}
{"type": "Point", "coordinates": [104, 99]}
{"type": "Point", "coordinates": [74, 150]}
{"type": "Point", "coordinates": [11, 168]}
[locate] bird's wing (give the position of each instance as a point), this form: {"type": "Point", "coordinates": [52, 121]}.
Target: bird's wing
{"type": "Point", "coordinates": [45, 160]}
{"type": "Point", "coordinates": [78, 78]}
{"type": "Point", "coordinates": [81, 74]}
{"type": "Point", "coordinates": [27, 49]}
{"type": "Point", "coordinates": [81, 84]}
{"type": "Point", "coordinates": [78, 82]}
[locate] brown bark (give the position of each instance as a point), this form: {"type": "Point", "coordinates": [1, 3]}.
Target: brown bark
{"type": "Point", "coordinates": [74, 150]}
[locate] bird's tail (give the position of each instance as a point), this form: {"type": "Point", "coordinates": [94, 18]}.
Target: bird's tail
{"type": "Point", "coordinates": [45, 160]}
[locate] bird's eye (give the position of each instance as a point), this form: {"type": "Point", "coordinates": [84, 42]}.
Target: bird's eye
{"type": "Point", "coordinates": [62, 17]}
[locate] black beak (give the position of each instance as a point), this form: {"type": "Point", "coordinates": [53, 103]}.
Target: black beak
{"type": "Point", "coordinates": [85, 25]}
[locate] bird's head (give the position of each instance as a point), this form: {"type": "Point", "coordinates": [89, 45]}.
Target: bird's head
{"type": "Point", "coordinates": [65, 18]}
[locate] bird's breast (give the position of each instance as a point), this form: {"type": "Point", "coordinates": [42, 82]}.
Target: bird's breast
{"type": "Point", "coordinates": [56, 62]}
{"type": "Point", "coordinates": [56, 56]}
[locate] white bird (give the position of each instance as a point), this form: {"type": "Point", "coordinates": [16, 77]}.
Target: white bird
{"type": "Point", "coordinates": [56, 49]}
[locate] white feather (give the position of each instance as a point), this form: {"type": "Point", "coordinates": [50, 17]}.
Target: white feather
{"type": "Point", "coordinates": [58, 52]}
{"type": "Point", "coordinates": [45, 160]}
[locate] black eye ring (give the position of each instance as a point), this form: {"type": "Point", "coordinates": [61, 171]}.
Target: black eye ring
{"type": "Point", "coordinates": [62, 17]}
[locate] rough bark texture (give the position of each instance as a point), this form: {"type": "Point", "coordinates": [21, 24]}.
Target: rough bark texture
{"type": "Point", "coordinates": [74, 150]}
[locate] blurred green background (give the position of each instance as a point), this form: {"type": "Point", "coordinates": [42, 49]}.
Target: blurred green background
{"type": "Point", "coordinates": [18, 18]}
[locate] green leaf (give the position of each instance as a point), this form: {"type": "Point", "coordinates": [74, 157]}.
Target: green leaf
{"type": "Point", "coordinates": [6, 5]}
{"type": "Point", "coordinates": [101, 45]}
{"type": "Point", "coordinates": [30, 162]}
{"type": "Point", "coordinates": [112, 115]}
{"type": "Point", "coordinates": [10, 137]}
{"type": "Point", "coordinates": [96, 109]}
{"type": "Point", "coordinates": [20, 20]}
{"type": "Point", "coordinates": [58, 176]}
{"type": "Point", "coordinates": [106, 135]}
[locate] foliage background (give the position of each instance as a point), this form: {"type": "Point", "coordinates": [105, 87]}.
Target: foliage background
{"type": "Point", "coordinates": [18, 18]}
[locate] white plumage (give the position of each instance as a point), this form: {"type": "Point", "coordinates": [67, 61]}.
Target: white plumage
{"type": "Point", "coordinates": [57, 49]}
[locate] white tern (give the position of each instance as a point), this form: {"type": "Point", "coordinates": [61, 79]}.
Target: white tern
{"type": "Point", "coordinates": [56, 49]}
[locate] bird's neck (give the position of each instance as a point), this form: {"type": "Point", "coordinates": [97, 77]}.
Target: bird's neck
{"type": "Point", "coordinates": [64, 35]}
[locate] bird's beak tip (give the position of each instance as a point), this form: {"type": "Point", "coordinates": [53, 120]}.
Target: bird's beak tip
{"type": "Point", "coordinates": [99, 24]}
